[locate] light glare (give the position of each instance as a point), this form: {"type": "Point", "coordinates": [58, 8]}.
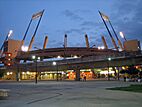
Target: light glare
{"type": "Point", "coordinates": [101, 47]}
{"type": "Point", "coordinates": [10, 33]}
{"type": "Point", "coordinates": [75, 56]}
{"type": "Point", "coordinates": [38, 58]}
{"type": "Point", "coordinates": [54, 63]}
{"type": "Point", "coordinates": [33, 57]}
{"type": "Point", "coordinates": [24, 48]}
{"type": "Point", "coordinates": [109, 59]}
{"type": "Point", "coordinates": [59, 57]}
{"type": "Point", "coordinates": [121, 34]}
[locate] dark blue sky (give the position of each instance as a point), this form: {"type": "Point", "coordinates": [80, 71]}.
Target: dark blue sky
{"type": "Point", "coordinates": [74, 17]}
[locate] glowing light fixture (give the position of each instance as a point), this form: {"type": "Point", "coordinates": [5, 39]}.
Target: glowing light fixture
{"type": "Point", "coordinates": [28, 72]}
{"type": "Point", "coordinates": [109, 59]}
{"type": "Point", "coordinates": [54, 63]}
{"type": "Point", "coordinates": [10, 33]}
{"type": "Point", "coordinates": [38, 58]}
{"type": "Point", "coordinates": [121, 34]}
{"type": "Point", "coordinates": [33, 57]}
{"type": "Point", "coordinates": [58, 56]}
{"type": "Point", "coordinates": [75, 56]}
{"type": "Point", "coordinates": [24, 48]}
{"type": "Point", "coordinates": [101, 47]}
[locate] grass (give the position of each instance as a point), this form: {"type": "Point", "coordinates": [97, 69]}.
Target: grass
{"type": "Point", "coordinates": [131, 88]}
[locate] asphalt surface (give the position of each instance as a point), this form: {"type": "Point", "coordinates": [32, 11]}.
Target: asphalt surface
{"type": "Point", "coordinates": [69, 94]}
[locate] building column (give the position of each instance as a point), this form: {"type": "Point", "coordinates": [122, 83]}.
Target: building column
{"type": "Point", "coordinates": [18, 76]}
{"type": "Point", "coordinates": [77, 74]}
{"type": "Point", "coordinates": [118, 73]}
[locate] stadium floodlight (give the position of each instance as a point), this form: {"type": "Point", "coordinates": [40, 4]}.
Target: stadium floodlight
{"type": "Point", "coordinates": [10, 33]}
{"type": "Point", "coordinates": [24, 48]}
{"type": "Point", "coordinates": [121, 34]}
{"type": "Point", "coordinates": [101, 47]}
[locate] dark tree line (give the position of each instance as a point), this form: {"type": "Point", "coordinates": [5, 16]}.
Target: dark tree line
{"type": "Point", "coordinates": [132, 71]}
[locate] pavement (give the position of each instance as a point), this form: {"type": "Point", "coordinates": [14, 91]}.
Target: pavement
{"type": "Point", "coordinates": [69, 94]}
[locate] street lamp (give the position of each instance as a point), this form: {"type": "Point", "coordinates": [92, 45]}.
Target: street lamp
{"type": "Point", "coordinates": [55, 64]}
{"type": "Point", "coordinates": [35, 59]}
{"type": "Point", "coordinates": [109, 59]}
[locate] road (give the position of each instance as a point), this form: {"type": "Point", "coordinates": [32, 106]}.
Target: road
{"type": "Point", "coordinates": [69, 94]}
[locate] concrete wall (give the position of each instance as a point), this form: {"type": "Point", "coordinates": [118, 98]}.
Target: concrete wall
{"type": "Point", "coordinates": [132, 45]}
{"type": "Point", "coordinates": [12, 46]}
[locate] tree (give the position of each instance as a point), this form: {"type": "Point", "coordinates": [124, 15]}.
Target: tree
{"type": "Point", "coordinates": [2, 73]}
{"type": "Point", "coordinates": [140, 74]}
{"type": "Point", "coordinates": [123, 71]}
{"type": "Point", "coordinates": [133, 71]}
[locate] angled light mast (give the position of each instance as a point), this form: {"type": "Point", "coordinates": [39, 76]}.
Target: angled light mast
{"type": "Point", "coordinates": [122, 35]}
{"type": "Point", "coordinates": [7, 36]}
{"type": "Point", "coordinates": [37, 15]}
{"type": "Point", "coordinates": [26, 33]}
{"type": "Point", "coordinates": [119, 42]}
{"type": "Point", "coordinates": [34, 16]}
{"type": "Point", "coordinates": [104, 17]}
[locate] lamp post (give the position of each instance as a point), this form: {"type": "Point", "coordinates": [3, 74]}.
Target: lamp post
{"type": "Point", "coordinates": [55, 64]}
{"type": "Point", "coordinates": [109, 59]}
{"type": "Point", "coordinates": [35, 59]}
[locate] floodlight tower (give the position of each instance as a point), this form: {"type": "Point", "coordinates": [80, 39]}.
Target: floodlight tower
{"type": "Point", "coordinates": [8, 35]}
